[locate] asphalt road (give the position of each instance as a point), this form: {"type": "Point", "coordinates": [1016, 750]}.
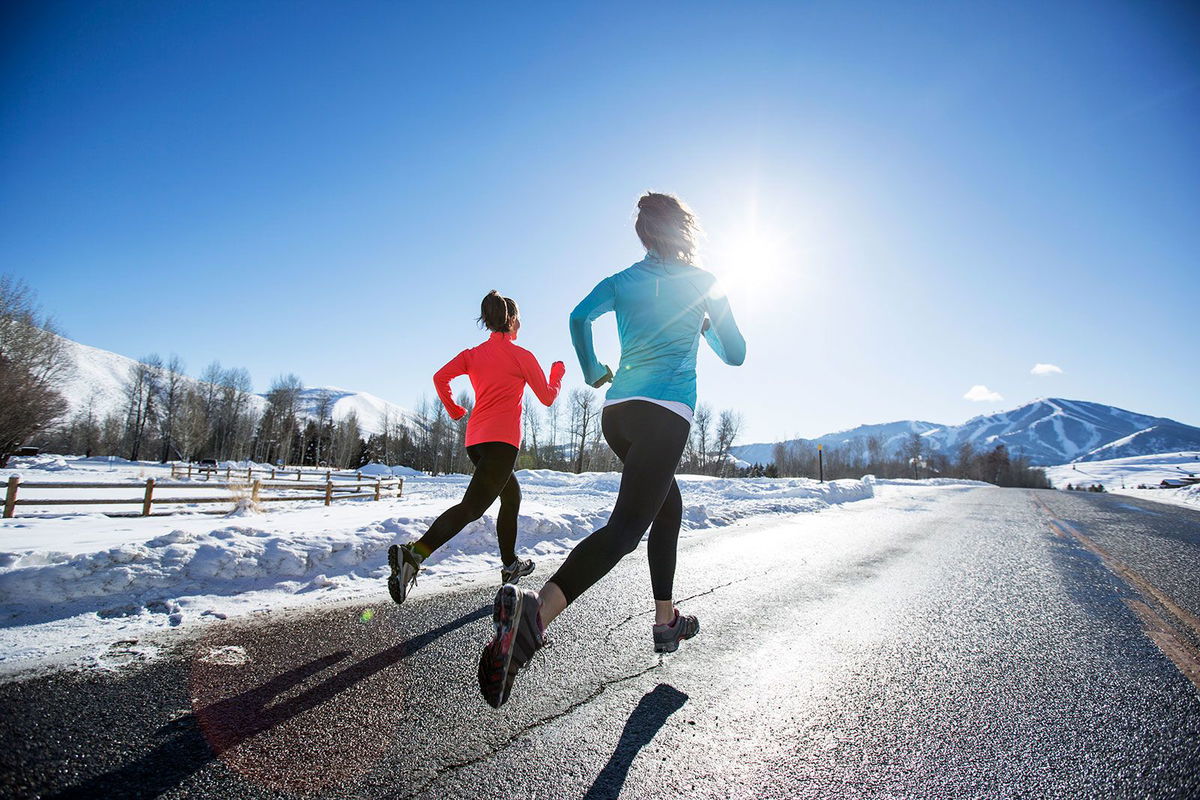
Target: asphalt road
{"type": "Point", "coordinates": [969, 642]}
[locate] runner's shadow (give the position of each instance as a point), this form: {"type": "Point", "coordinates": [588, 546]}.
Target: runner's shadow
{"type": "Point", "coordinates": [647, 718]}
{"type": "Point", "coordinates": [201, 736]}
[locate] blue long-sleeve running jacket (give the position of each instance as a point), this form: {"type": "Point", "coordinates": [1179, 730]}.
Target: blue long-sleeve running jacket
{"type": "Point", "coordinates": [660, 306]}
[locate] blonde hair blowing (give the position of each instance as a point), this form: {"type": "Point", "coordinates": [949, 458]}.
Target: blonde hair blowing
{"type": "Point", "coordinates": [667, 227]}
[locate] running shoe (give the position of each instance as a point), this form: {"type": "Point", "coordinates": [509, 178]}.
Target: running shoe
{"type": "Point", "coordinates": [667, 637]}
{"type": "Point", "coordinates": [516, 570]}
{"type": "Point", "coordinates": [405, 565]}
{"type": "Point", "coordinates": [518, 620]}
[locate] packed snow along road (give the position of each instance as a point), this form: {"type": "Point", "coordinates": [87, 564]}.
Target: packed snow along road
{"type": "Point", "coordinates": [1126, 475]}
{"type": "Point", "coordinates": [72, 583]}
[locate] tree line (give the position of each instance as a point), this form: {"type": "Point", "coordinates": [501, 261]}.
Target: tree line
{"type": "Point", "coordinates": [165, 415]}
{"type": "Point", "coordinates": [912, 459]}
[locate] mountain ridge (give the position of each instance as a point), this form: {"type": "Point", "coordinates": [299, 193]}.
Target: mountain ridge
{"type": "Point", "coordinates": [1048, 430]}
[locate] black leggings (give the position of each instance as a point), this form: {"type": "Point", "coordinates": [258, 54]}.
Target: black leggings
{"type": "Point", "coordinates": [649, 439]}
{"type": "Point", "coordinates": [493, 478]}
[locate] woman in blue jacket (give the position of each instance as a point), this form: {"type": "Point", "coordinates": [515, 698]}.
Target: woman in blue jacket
{"type": "Point", "coordinates": [664, 305]}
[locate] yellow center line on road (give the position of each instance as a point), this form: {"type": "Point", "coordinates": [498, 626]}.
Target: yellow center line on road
{"type": "Point", "coordinates": [1181, 653]}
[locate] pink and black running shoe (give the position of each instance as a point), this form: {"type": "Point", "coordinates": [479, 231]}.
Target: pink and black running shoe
{"type": "Point", "coordinates": [519, 635]}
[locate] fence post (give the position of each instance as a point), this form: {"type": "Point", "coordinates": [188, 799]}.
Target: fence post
{"type": "Point", "coordinates": [378, 487]}
{"type": "Point", "coordinates": [400, 487]}
{"type": "Point", "coordinates": [249, 473]}
{"type": "Point", "coordinates": [189, 470]}
{"type": "Point", "coordinates": [228, 473]}
{"type": "Point", "coordinates": [10, 497]}
{"type": "Point", "coordinates": [328, 492]}
{"type": "Point", "coordinates": [272, 473]}
{"type": "Point", "coordinates": [254, 491]}
{"type": "Point", "coordinates": [149, 498]}
{"type": "Point", "coordinates": [327, 474]}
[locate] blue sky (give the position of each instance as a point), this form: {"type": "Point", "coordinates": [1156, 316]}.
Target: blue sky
{"type": "Point", "coordinates": [904, 201]}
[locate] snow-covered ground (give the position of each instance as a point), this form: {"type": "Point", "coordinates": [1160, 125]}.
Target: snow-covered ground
{"type": "Point", "coordinates": [72, 583]}
{"type": "Point", "coordinates": [1124, 475]}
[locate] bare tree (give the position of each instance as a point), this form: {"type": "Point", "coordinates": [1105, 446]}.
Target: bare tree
{"type": "Point", "coordinates": [33, 360]}
{"type": "Point", "coordinates": [323, 411]}
{"type": "Point", "coordinates": [459, 462]}
{"type": "Point", "coordinates": [141, 402]}
{"type": "Point", "coordinates": [912, 450]}
{"type": "Point", "coordinates": [531, 419]}
{"type": "Point", "coordinates": [701, 432]}
{"type": "Point", "coordinates": [583, 411]}
{"type": "Point", "coordinates": [346, 441]}
{"type": "Point", "coordinates": [171, 397]}
{"type": "Point", "coordinates": [83, 433]}
{"type": "Point", "coordinates": [279, 426]}
{"type": "Point", "coordinates": [191, 425]}
{"type": "Point", "coordinates": [552, 424]}
{"type": "Point", "coordinates": [728, 426]}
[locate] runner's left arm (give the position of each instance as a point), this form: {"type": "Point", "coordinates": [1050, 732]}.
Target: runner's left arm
{"type": "Point", "coordinates": [546, 391]}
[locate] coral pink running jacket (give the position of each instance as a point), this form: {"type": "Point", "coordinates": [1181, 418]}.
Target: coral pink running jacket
{"type": "Point", "coordinates": [499, 371]}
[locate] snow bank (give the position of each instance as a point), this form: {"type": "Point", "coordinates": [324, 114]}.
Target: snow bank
{"type": "Point", "coordinates": [375, 468]}
{"type": "Point", "coordinates": [41, 463]}
{"type": "Point", "coordinates": [67, 577]}
{"type": "Point", "coordinates": [929, 482]}
{"type": "Point", "coordinates": [1188, 496]}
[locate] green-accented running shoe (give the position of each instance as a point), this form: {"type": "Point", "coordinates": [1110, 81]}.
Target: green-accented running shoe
{"type": "Point", "coordinates": [516, 570]}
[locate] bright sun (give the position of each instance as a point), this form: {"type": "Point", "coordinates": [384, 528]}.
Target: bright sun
{"type": "Point", "coordinates": [752, 258]}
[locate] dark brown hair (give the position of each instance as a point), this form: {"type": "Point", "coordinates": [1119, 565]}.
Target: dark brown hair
{"type": "Point", "coordinates": [497, 313]}
{"type": "Point", "coordinates": [667, 227]}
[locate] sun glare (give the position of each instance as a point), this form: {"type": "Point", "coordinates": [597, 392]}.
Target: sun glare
{"type": "Point", "coordinates": [752, 259]}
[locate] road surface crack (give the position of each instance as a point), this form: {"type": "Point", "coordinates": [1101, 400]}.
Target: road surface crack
{"type": "Point", "coordinates": [632, 617]}
{"type": "Point", "coordinates": [458, 765]}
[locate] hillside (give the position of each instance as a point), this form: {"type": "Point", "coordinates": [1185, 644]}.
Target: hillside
{"type": "Point", "coordinates": [99, 379]}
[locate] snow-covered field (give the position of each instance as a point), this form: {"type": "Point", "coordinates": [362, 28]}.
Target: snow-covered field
{"type": "Point", "coordinates": [1130, 472]}
{"type": "Point", "coordinates": [72, 582]}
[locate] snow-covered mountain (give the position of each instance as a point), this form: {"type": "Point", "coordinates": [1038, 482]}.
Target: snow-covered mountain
{"type": "Point", "coordinates": [99, 376]}
{"type": "Point", "coordinates": [367, 407]}
{"type": "Point", "coordinates": [890, 434]}
{"type": "Point", "coordinates": [1047, 431]}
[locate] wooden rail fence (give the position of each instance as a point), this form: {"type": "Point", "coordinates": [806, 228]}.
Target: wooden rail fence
{"type": "Point", "coordinates": [274, 473]}
{"type": "Point", "coordinates": [329, 489]}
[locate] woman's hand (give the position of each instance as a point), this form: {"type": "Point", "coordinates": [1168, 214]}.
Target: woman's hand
{"type": "Point", "coordinates": [608, 376]}
{"type": "Point", "coordinates": [557, 370]}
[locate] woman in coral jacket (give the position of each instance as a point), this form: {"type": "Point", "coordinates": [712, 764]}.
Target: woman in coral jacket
{"type": "Point", "coordinates": [499, 371]}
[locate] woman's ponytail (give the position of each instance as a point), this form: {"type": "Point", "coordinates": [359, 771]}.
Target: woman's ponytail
{"type": "Point", "coordinates": [497, 313]}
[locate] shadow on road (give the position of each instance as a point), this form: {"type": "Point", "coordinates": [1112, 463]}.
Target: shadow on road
{"type": "Point", "coordinates": [647, 718]}
{"type": "Point", "coordinates": [203, 735]}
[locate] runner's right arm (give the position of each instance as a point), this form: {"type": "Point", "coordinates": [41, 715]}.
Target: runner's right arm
{"type": "Point", "coordinates": [597, 303]}
{"type": "Point", "coordinates": [441, 382]}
